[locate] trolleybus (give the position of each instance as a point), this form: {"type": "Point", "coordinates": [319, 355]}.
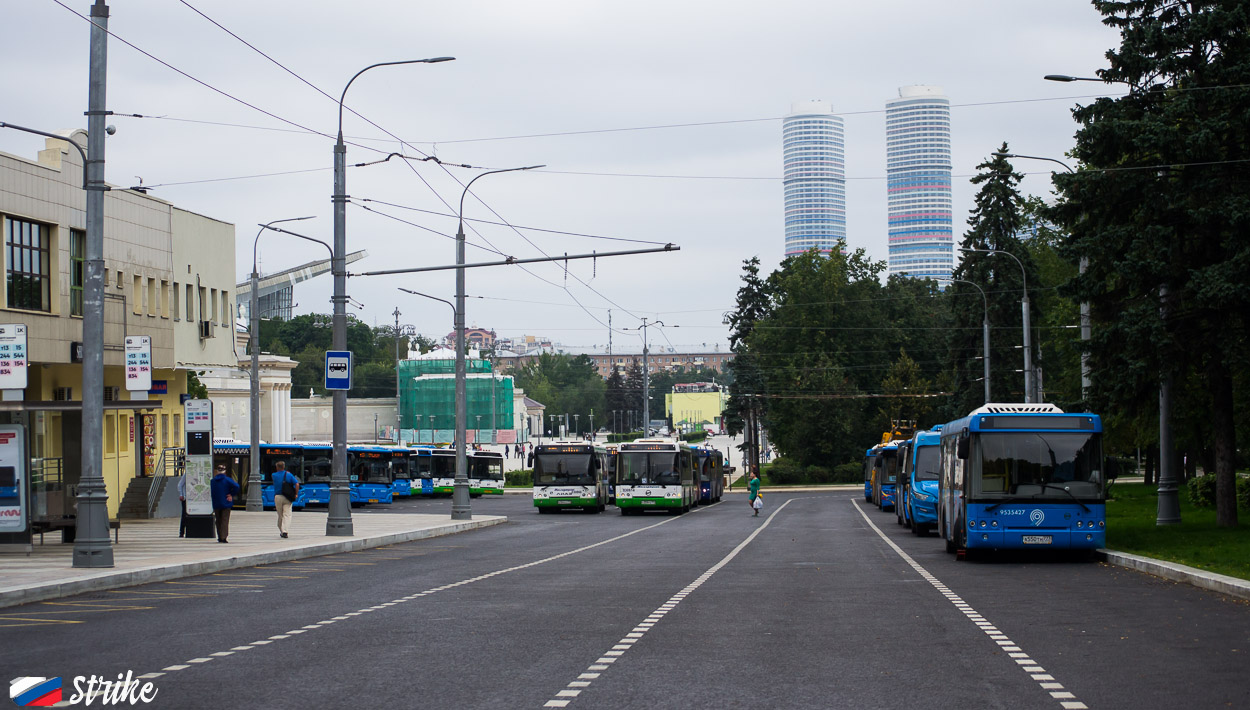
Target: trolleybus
{"type": "Point", "coordinates": [711, 467]}
{"type": "Point", "coordinates": [570, 474]}
{"type": "Point", "coordinates": [1022, 476]}
{"type": "Point", "coordinates": [655, 474]}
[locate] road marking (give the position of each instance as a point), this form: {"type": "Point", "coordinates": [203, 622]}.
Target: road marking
{"type": "Point", "coordinates": [1022, 659]}
{"type": "Point", "coordinates": [575, 688]}
{"type": "Point", "coordinates": [471, 580]}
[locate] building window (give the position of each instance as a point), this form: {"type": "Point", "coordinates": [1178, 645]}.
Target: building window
{"type": "Point", "coordinates": [27, 247]}
{"type": "Point", "coordinates": [77, 269]}
{"type": "Point", "coordinates": [136, 295]}
{"type": "Point", "coordinates": [177, 301]}
{"type": "Point", "coordinates": [190, 303]}
{"type": "Point", "coordinates": [151, 296]}
{"type": "Point", "coordinates": [164, 298]}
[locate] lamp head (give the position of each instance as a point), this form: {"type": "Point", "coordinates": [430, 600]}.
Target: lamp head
{"type": "Point", "coordinates": [1059, 77]}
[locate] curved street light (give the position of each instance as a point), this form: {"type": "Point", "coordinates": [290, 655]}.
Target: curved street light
{"type": "Point", "coordinates": [985, 334]}
{"type": "Point", "coordinates": [339, 519]}
{"type": "Point", "coordinates": [1024, 307]}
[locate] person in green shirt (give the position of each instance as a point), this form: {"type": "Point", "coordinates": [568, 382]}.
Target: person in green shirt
{"type": "Point", "coordinates": [753, 492]}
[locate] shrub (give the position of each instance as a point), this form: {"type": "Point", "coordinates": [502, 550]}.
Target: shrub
{"type": "Point", "coordinates": [1243, 492]}
{"type": "Point", "coordinates": [848, 472]}
{"type": "Point", "coordinates": [1202, 491]}
{"type": "Point", "coordinates": [785, 472]}
{"type": "Point", "coordinates": [520, 479]}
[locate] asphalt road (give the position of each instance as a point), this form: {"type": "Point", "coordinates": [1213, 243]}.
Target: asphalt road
{"type": "Point", "coordinates": [820, 602]}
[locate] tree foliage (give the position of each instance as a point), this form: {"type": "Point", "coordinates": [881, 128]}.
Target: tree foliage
{"type": "Point", "coordinates": [566, 384]}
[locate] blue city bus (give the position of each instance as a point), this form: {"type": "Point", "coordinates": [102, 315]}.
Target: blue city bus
{"type": "Point", "coordinates": [401, 471]}
{"type": "Point", "coordinates": [369, 471]}
{"type": "Point", "coordinates": [420, 463]}
{"type": "Point", "coordinates": [317, 465]}
{"type": "Point", "coordinates": [1022, 476]}
{"type": "Point", "coordinates": [916, 506]}
{"type": "Point", "coordinates": [882, 464]}
{"type": "Point", "coordinates": [485, 473]}
{"type": "Point", "coordinates": [868, 461]}
{"type": "Point", "coordinates": [711, 467]}
{"type": "Point", "coordinates": [236, 456]}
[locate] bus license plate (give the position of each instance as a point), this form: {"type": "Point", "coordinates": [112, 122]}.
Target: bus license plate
{"type": "Point", "coordinates": [373, 500]}
{"type": "Point", "coordinates": [1036, 539]}
{"type": "Point", "coordinates": [648, 502]}
{"type": "Point", "coordinates": [563, 502]}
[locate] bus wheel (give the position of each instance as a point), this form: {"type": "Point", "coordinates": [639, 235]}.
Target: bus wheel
{"type": "Point", "coordinates": [544, 510]}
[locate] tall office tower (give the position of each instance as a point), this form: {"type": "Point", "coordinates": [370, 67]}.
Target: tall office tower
{"type": "Point", "coordinates": [815, 178]}
{"type": "Point", "coordinates": [918, 170]}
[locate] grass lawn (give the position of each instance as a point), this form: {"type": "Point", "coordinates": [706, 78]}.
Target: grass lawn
{"type": "Point", "coordinates": [1196, 541]}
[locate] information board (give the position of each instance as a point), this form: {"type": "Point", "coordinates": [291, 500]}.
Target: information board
{"type": "Point", "coordinates": [198, 425]}
{"type": "Point", "coordinates": [13, 488]}
{"type": "Point", "coordinates": [138, 363]}
{"type": "Point", "coordinates": [13, 356]}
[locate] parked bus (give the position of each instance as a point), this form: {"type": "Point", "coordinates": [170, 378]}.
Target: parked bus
{"type": "Point", "coordinates": [485, 473]}
{"type": "Point", "coordinates": [317, 467]}
{"type": "Point", "coordinates": [401, 472]}
{"type": "Point", "coordinates": [610, 450]}
{"type": "Point", "coordinates": [236, 457]}
{"type": "Point", "coordinates": [655, 474]}
{"type": "Point", "coordinates": [918, 481]}
{"type": "Point", "coordinates": [443, 471]}
{"type": "Point", "coordinates": [1022, 476]}
{"type": "Point", "coordinates": [868, 462]}
{"type": "Point", "coordinates": [369, 471]}
{"type": "Point", "coordinates": [419, 467]}
{"type": "Point", "coordinates": [711, 467]}
{"type": "Point", "coordinates": [570, 474]}
{"type": "Point", "coordinates": [883, 462]}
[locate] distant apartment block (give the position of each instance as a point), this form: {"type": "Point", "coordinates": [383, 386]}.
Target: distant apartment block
{"type": "Point", "coordinates": [814, 168]}
{"type": "Point", "coordinates": [918, 170]}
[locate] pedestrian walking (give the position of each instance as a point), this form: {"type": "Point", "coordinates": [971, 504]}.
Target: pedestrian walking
{"type": "Point", "coordinates": [182, 498]}
{"type": "Point", "coordinates": [753, 494]}
{"type": "Point", "coordinates": [285, 491]}
{"type": "Point", "coordinates": [224, 490]}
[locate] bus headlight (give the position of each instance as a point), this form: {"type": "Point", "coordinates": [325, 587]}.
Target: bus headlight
{"type": "Point", "coordinates": [982, 523]}
{"type": "Point", "coordinates": [993, 523]}
{"type": "Point", "coordinates": [1078, 523]}
{"type": "Point", "coordinates": [1101, 523]}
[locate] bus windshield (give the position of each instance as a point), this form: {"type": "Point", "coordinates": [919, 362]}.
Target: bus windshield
{"type": "Point", "coordinates": [889, 465]}
{"type": "Point", "coordinates": [317, 465]}
{"type": "Point", "coordinates": [563, 469]}
{"type": "Point", "coordinates": [486, 469]}
{"type": "Point", "coordinates": [642, 468]}
{"type": "Point", "coordinates": [421, 466]}
{"type": "Point", "coordinates": [370, 468]}
{"type": "Point", "coordinates": [443, 466]}
{"type": "Point", "coordinates": [1058, 465]}
{"type": "Point", "coordinates": [927, 462]}
{"type": "Point", "coordinates": [291, 458]}
{"type": "Point", "coordinates": [399, 468]}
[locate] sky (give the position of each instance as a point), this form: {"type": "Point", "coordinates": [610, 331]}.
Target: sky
{"type": "Point", "coordinates": [658, 122]}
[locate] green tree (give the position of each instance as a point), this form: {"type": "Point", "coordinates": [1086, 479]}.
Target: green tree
{"type": "Point", "coordinates": [615, 400]}
{"type": "Point", "coordinates": [565, 384]}
{"type": "Point", "coordinates": [1161, 207]}
{"type": "Point", "coordinates": [998, 224]}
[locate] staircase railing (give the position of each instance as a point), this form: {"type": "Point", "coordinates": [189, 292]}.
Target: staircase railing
{"type": "Point", "coordinates": [171, 463]}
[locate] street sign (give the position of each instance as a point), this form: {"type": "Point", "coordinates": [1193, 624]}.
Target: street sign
{"type": "Point", "coordinates": [13, 356]}
{"type": "Point", "coordinates": [138, 363]}
{"type": "Point", "coordinates": [338, 369]}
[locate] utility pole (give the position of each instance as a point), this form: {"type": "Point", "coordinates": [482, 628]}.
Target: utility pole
{"type": "Point", "coordinates": [1169, 508]}
{"type": "Point", "coordinates": [399, 413]}
{"type": "Point", "coordinates": [91, 542]}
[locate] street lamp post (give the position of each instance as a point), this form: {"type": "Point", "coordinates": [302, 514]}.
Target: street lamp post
{"type": "Point", "coordinates": [255, 503]}
{"type": "Point", "coordinates": [460, 506]}
{"type": "Point", "coordinates": [1024, 306]}
{"type": "Point", "coordinates": [646, 378]}
{"type": "Point", "coordinates": [985, 335]}
{"type": "Point", "coordinates": [339, 519]}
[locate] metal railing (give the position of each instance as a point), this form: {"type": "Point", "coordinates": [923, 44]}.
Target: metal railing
{"type": "Point", "coordinates": [172, 459]}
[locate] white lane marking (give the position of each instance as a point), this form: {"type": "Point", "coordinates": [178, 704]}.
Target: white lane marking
{"type": "Point", "coordinates": [1026, 663]}
{"type": "Point", "coordinates": [471, 580]}
{"type": "Point", "coordinates": [574, 688]}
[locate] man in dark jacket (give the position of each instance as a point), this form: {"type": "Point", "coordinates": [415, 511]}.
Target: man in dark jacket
{"type": "Point", "coordinates": [224, 490]}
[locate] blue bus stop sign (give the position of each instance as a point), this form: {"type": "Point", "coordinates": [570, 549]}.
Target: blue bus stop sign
{"type": "Point", "coordinates": [338, 369]}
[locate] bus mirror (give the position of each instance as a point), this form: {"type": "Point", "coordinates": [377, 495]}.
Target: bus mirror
{"type": "Point", "coordinates": [961, 446]}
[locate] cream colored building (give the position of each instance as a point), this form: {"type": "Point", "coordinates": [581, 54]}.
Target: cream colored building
{"type": "Point", "coordinates": [169, 274]}
{"type": "Point", "coordinates": [230, 389]}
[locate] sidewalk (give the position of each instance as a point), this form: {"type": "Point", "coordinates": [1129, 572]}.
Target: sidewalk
{"type": "Point", "coordinates": [151, 551]}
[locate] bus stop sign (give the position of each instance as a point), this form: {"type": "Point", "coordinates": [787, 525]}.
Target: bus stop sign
{"type": "Point", "coordinates": [338, 370]}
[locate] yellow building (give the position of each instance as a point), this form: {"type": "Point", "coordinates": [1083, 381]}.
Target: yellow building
{"type": "Point", "coordinates": [696, 406]}
{"type": "Point", "coordinates": [169, 275]}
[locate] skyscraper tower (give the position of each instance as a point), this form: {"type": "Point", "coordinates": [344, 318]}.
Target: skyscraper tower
{"type": "Point", "coordinates": [918, 170]}
{"type": "Point", "coordinates": [815, 178]}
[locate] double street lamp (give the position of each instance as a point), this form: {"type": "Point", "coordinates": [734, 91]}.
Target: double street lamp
{"type": "Point", "coordinates": [985, 334]}
{"type": "Point", "coordinates": [339, 520]}
{"type": "Point", "coordinates": [1029, 395]}
{"type": "Point", "coordinates": [646, 377]}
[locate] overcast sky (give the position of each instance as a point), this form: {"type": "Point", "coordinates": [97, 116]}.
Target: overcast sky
{"type": "Point", "coordinates": [658, 121]}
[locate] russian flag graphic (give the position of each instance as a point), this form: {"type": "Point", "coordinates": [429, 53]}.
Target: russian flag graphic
{"type": "Point", "coordinates": [35, 692]}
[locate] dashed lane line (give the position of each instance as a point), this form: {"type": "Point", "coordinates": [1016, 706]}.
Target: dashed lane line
{"type": "Point", "coordinates": [618, 650]}
{"type": "Point", "coordinates": [327, 622]}
{"type": "Point", "coordinates": [1046, 681]}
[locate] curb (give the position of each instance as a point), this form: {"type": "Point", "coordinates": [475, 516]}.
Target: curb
{"type": "Point", "coordinates": [1175, 572]}
{"type": "Point", "coordinates": [162, 573]}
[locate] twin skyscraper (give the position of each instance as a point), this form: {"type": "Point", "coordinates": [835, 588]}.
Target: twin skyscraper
{"type": "Point", "coordinates": [918, 181]}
